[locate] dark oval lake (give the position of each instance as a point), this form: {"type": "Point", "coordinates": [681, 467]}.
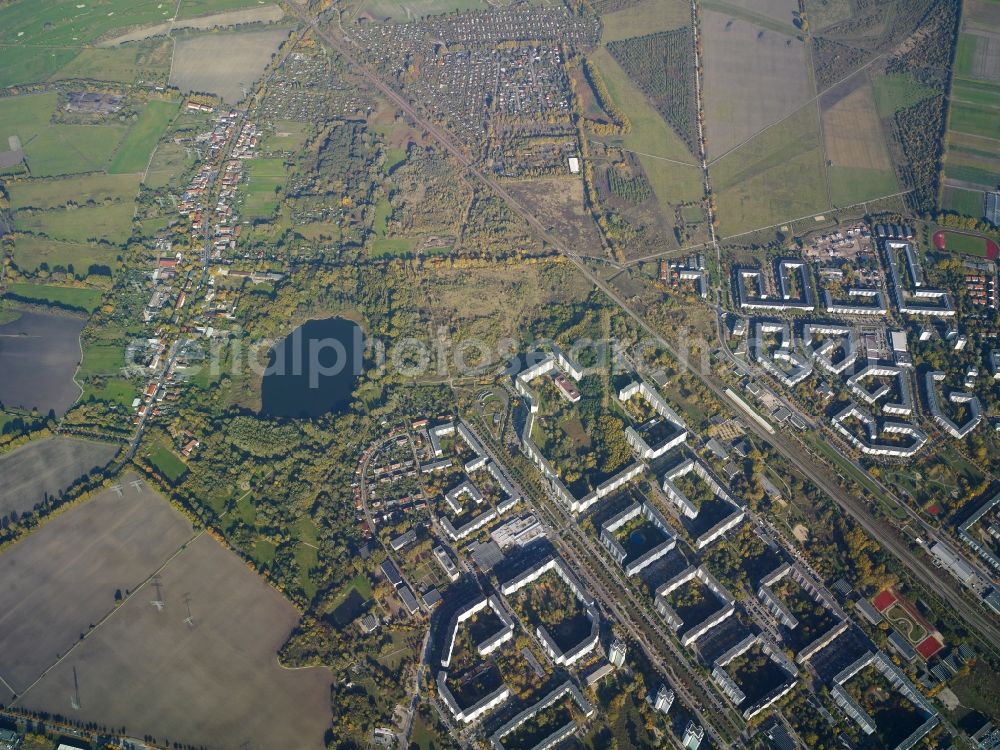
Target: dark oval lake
{"type": "Point", "coordinates": [313, 370]}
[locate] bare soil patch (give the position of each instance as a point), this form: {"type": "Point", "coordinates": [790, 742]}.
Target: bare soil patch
{"type": "Point", "coordinates": [224, 64]}
{"type": "Point", "coordinates": [39, 353]}
{"type": "Point", "coordinates": [46, 467]}
{"type": "Point", "coordinates": [212, 681]}
{"type": "Point", "coordinates": [62, 578]}
{"type": "Point", "coordinates": [558, 202]}
{"type": "Point", "coordinates": [753, 78]}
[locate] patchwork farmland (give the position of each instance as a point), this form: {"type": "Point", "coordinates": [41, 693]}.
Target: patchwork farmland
{"type": "Point", "coordinates": [971, 164]}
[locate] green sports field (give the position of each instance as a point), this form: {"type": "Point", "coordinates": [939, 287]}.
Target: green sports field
{"type": "Point", "coordinates": [266, 176]}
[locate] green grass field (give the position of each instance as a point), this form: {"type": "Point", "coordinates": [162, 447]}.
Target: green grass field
{"type": "Point", "coordinates": [78, 298]}
{"type": "Point", "coordinates": [111, 222]}
{"type": "Point", "coordinates": [191, 8]}
{"type": "Point", "coordinates": [964, 243]}
{"type": "Point", "coordinates": [394, 156]}
{"type": "Point", "coordinates": [778, 176]}
{"type": "Point", "coordinates": [645, 17]}
{"type": "Point", "coordinates": [850, 185]}
{"type": "Point", "coordinates": [169, 162]}
{"type": "Point", "coordinates": [964, 55]}
{"type": "Point", "coordinates": [134, 152]}
{"type": "Point", "coordinates": [42, 36]}
{"type": "Point", "coordinates": [71, 149]}
{"type": "Point", "coordinates": [288, 135]}
{"type": "Point", "coordinates": [264, 551]}
{"type": "Point", "coordinates": [652, 139]}
{"type": "Point", "coordinates": [975, 119]}
{"type": "Point", "coordinates": [167, 463]}
{"type": "Point", "coordinates": [260, 198]}
{"type": "Point", "coordinates": [102, 359]}
{"type": "Point", "coordinates": [965, 202]}
{"type": "Point", "coordinates": [976, 92]}
{"type": "Point", "coordinates": [112, 390]}
{"type": "Point", "coordinates": [650, 133]}
{"type": "Point", "coordinates": [25, 116]}
{"type": "Point", "coordinates": [398, 10]}
{"type": "Point", "coordinates": [122, 64]}
{"type": "Point", "coordinates": [898, 91]}
{"type": "Point", "coordinates": [388, 247]}
{"type": "Point", "coordinates": [383, 210]}
{"type": "Point", "coordinates": [30, 253]}
{"type": "Point", "coordinates": [54, 193]}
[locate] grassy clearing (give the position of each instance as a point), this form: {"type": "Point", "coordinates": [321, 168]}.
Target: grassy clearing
{"type": "Point", "coordinates": [383, 210]}
{"type": "Point", "coordinates": [111, 390]}
{"type": "Point", "coordinates": [288, 135]}
{"type": "Point", "coordinates": [102, 359]}
{"type": "Point", "coordinates": [898, 91]}
{"type": "Point", "coordinates": [71, 149]}
{"type": "Point", "coordinates": [169, 162]}
{"type": "Point", "coordinates": [96, 188]}
{"type": "Point", "coordinates": [962, 201]}
{"type": "Point", "coordinates": [850, 185]}
{"type": "Point", "coordinates": [192, 8]}
{"type": "Point", "coordinates": [777, 176]}
{"type": "Point", "coordinates": [645, 17]}
{"type": "Point", "coordinates": [134, 152]}
{"type": "Point", "coordinates": [111, 222]}
{"type": "Point", "coordinates": [145, 62]}
{"type": "Point", "coordinates": [79, 298]}
{"type": "Point", "coordinates": [42, 36]}
{"type": "Point", "coordinates": [167, 463]}
{"type": "Point", "coordinates": [25, 116]}
{"type": "Point", "coordinates": [267, 176]}
{"type": "Point", "coordinates": [823, 13]}
{"type": "Point", "coordinates": [388, 247]}
{"type": "Point", "coordinates": [33, 253]}
{"type": "Point", "coordinates": [650, 133]}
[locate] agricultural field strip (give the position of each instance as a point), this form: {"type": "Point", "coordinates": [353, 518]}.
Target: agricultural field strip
{"type": "Point", "coordinates": [792, 114]}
